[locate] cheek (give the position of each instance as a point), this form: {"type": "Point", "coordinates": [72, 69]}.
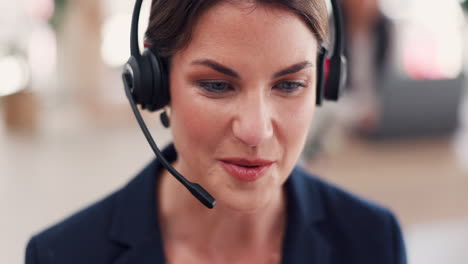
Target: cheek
{"type": "Point", "coordinates": [293, 126]}
{"type": "Point", "coordinates": [299, 123]}
{"type": "Point", "coordinates": [188, 120]}
{"type": "Point", "coordinates": [196, 127]}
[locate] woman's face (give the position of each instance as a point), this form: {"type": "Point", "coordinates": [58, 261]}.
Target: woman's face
{"type": "Point", "coordinates": [242, 100]}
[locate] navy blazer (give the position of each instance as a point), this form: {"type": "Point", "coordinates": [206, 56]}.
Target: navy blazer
{"type": "Point", "coordinates": [325, 225]}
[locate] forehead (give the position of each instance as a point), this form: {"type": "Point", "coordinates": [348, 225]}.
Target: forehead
{"type": "Point", "coordinates": [240, 31]}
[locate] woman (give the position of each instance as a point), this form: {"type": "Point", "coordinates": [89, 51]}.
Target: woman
{"type": "Point", "coordinates": [242, 84]}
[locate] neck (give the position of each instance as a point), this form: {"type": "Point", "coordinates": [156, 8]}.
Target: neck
{"type": "Point", "coordinates": [185, 220]}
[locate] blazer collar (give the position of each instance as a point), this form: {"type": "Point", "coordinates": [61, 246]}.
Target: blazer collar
{"type": "Point", "coordinates": [304, 198]}
{"type": "Point", "coordinates": [305, 240]}
{"type": "Point", "coordinates": [135, 221]}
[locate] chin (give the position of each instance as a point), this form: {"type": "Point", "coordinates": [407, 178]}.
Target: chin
{"type": "Point", "coordinates": [246, 200]}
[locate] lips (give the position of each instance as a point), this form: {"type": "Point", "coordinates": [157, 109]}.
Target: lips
{"type": "Point", "coordinates": [246, 170]}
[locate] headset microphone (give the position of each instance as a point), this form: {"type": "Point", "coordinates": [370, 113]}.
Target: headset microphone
{"type": "Point", "coordinates": [133, 79]}
{"type": "Point", "coordinates": [145, 78]}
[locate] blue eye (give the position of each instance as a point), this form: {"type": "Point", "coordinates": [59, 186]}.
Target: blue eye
{"type": "Point", "coordinates": [289, 87]}
{"type": "Point", "coordinates": [215, 86]}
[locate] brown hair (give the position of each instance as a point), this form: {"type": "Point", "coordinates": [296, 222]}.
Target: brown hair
{"type": "Point", "coordinates": [171, 21]}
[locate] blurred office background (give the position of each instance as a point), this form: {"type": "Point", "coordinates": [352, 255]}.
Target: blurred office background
{"type": "Point", "coordinates": [398, 137]}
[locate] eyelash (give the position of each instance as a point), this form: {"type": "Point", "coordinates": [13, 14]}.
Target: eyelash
{"type": "Point", "coordinates": [207, 86]}
{"type": "Point", "coordinates": [297, 86]}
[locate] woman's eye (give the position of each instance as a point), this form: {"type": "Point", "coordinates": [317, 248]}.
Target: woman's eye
{"type": "Point", "coordinates": [289, 86]}
{"type": "Point", "coordinates": [215, 86]}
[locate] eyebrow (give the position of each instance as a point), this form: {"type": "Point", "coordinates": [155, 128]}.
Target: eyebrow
{"type": "Point", "coordinates": [230, 72]}
{"type": "Point", "coordinates": [293, 69]}
{"type": "Point", "coordinates": [217, 67]}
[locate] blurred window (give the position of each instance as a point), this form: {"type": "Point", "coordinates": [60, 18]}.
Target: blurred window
{"type": "Point", "coordinates": [429, 38]}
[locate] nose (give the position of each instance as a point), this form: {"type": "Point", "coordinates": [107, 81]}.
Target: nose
{"type": "Point", "coordinates": [253, 122]}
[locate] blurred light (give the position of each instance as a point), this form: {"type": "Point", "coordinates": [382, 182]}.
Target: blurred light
{"type": "Point", "coordinates": [42, 53]}
{"type": "Point", "coordinates": [15, 74]}
{"type": "Point", "coordinates": [329, 7]}
{"type": "Point", "coordinates": [115, 47]}
{"type": "Point", "coordinates": [393, 8]}
{"type": "Point", "coordinates": [41, 9]}
{"type": "Point", "coordinates": [14, 23]}
{"type": "Point", "coordinates": [430, 36]}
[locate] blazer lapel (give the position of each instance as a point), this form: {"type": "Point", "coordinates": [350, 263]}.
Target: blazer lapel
{"type": "Point", "coordinates": [304, 241]}
{"type": "Point", "coordinates": [305, 245]}
{"type": "Point", "coordinates": [134, 221]}
{"type": "Point", "coordinates": [149, 252]}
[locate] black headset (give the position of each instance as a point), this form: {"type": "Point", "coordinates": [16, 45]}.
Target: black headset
{"type": "Point", "coordinates": [145, 77]}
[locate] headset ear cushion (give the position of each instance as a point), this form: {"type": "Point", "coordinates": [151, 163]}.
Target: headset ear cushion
{"type": "Point", "coordinates": [132, 70]}
{"type": "Point", "coordinates": [160, 88]}
{"type": "Point", "coordinates": [322, 74]}
{"type": "Point", "coordinates": [147, 82]}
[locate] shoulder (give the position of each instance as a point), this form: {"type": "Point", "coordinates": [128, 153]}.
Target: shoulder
{"type": "Point", "coordinates": [357, 228]}
{"type": "Point", "coordinates": [336, 200]}
{"type": "Point", "coordinates": [85, 231]}
{"type": "Point", "coordinates": [101, 232]}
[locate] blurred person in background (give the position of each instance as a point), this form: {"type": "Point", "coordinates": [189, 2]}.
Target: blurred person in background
{"type": "Point", "coordinates": [368, 36]}
{"type": "Point", "coordinates": [243, 78]}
